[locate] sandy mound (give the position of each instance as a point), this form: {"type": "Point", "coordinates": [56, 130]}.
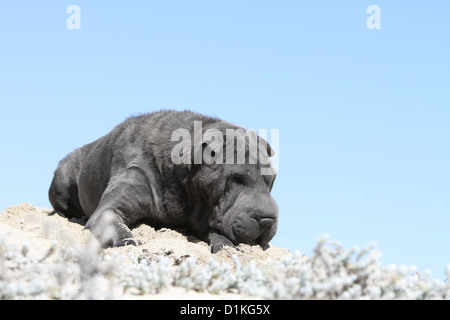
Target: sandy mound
{"type": "Point", "coordinates": [39, 228]}
{"type": "Point", "coordinates": [46, 256]}
{"type": "Point", "coordinates": [41, 225]}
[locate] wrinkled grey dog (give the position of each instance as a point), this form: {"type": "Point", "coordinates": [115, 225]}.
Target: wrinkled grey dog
{"type": "Point", "coordinates": [141, 171]}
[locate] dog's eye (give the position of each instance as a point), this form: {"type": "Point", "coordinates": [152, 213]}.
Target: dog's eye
{"type": "Point", "coordinates": [238, 179]}
{"type": "Point", "coordinates": [235, 182]}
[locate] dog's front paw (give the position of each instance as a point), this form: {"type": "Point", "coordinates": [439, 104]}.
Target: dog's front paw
{"type": "Point", "coordinates": [217, 242]}
{"type": "Point", "coordinates": [126, 242]}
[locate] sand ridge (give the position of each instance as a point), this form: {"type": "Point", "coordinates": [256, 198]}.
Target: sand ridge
{"type": "Point", "coordinates": [42, 225]}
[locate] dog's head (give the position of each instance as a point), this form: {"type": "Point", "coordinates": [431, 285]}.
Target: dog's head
{"type": "Point", "coordinates": [237, 187]}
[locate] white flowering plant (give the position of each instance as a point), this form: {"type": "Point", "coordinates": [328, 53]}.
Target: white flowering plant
{"type": "Point", "coordinates": [332, 272]}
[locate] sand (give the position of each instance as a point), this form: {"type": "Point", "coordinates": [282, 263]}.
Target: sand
{"type": "Point", "coordinates": [40, 227]}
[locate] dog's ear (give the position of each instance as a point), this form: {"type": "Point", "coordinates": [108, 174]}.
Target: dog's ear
{"type": "Point", "coordinates": [195, 166]}
{"type": "Point", "coordinates": [270, 151]}
{"type": "Point", "coordinates": [262, 143]}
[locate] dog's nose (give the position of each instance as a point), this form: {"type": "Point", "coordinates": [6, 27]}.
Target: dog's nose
{"type": "Point", "coordinates": [266, 222]}
{"type": "Point", "coordinates": [266, 212]}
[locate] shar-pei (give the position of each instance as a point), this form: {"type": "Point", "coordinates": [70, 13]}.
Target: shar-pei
{"type": "Point", "coordinates": [171, 169]}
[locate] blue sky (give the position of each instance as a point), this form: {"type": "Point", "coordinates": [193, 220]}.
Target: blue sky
{"type": "Point", "coordinates": [363, 115]}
